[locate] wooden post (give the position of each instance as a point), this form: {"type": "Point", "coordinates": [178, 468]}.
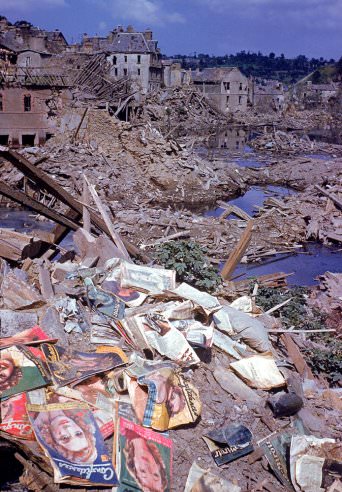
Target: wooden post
{"type": "Point", "coordinates": [237, 252]}
{"type": "Point", "coordinates": [115, 236]}
{"type": "Point", "coordinates": [86, 201]}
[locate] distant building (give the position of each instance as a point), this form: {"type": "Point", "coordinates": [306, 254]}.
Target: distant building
{"type": "Point", "coordinates": [268, 95]}
{"type": "Point", "coordinates": [174, 75]}
{"type": "Point", "coordinates": [131, 54]}
{"type": "Point", "coordinates": [309, 95]}
{"type": "Point", "coordinates": [227, 88]}
{"type": "Point", "coordinates": [32, 90]}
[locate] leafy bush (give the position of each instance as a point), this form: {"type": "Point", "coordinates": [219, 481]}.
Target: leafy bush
{"type": "Point", "coordinates": [191, 265]}
{"type": "Point", "coordinates": [327, 361]}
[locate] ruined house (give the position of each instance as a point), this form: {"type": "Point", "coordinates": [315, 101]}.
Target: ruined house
{"type": "Point", "coordinates": [32, 91]}
{"type": "Point", "coordinates": [309, 95]}
{"type": "Point", "coordinates": [227, 88]}
{"type": "Point", "coordinates": [174, 75]}
{"type": "Point", "coordinates": [131, 54]}
{"type": "Point", "coordinates": [268, 95]}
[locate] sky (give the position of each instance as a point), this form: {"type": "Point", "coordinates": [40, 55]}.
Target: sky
{"type": "Point", "coordinates": [216, 27]}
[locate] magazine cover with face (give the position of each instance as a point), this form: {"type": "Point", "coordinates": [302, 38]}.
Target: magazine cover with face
{"type": "Point", "coordinates": [20, 371]}
{"type": "Point", "coordinates": [146, 459]}
{"type": "Point", "coordinates": [72, 440]}
{"type": "Point", "coordinates": [69, 366]}
{"type": "Point", "coordinates": [14, 419]}
{"type": "Point", "coordinates": [32, 336]}
{"type": "Point", "coordinates": [163, 399]}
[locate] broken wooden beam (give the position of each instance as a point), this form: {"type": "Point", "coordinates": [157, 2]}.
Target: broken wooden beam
{"type": "Point", "coordinates": [332, 197]}
{"type": "Point", "coordinates": [53, 187]}
{"type": "Point", "coordinates": [25, 200]}
{"type": "Point", "coordinates": [296, 356]}
{"type": "Point", "coordinates": [114, 235]}
{"type": "Point", "coordinates": [237, 252]}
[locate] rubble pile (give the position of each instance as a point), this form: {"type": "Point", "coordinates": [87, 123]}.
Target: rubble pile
{"type": "Point", "coordinates": [183, 112]}
{"type": "Point", "coordinates": [291, 143]}
{"type": "Point", "coordinates": [117, 375]}
{"type": "Point", "coordinates": [326, 298]}
{"type": "Point", "coordinates": [130, 162]}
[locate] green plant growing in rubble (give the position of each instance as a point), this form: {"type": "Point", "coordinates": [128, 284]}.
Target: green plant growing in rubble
{"type": "Point", "coordinates": [325, 358]}
{"type": "Point", "coordinates": [189, 261]}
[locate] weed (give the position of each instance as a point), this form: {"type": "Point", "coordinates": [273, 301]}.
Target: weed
{"type": "Point", "coordinates": [188, 259]}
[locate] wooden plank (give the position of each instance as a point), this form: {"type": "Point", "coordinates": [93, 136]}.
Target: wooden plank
{"type": "Point", "coordinates": [296, 356]}
{"type": "Point", "coordinates": [86, 201]}
{"type": "Point", "coordinates": [80, 124]}
{"type": "Point", "coordinates": [237, 252]}
{"type": "Point", "coordinates": [332, 197]}
{"type": "Point", "coordinates": [25, 200]}
{"type": "Point", "coordinates": [53, 187]}
{"type": "Point", "coordinates": [115, 236]}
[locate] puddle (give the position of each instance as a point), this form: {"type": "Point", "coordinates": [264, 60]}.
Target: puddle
{"type": "Point", "coordinates": [25, 221]}
{"type": "Point", "coordinates": [317, 260]}
{"type": "Point", "coordinates": [253, 198]}
{"type": "Point", "coordinates": [321, 157]}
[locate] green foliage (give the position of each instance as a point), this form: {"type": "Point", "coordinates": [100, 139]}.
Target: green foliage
{"type": "Point", "coordinates": [324, 359]}
{"type": "Point", "coordinates": [327, 361]}
{"type": "Point", "coordinates": [191, 265]}
{"type": "Point", "coordinates": [287, 70]}
{"type": "Point", "coordinates": [294, 313]}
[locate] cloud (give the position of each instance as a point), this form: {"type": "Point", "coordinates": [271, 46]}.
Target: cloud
{"type": "Point", "coordinates": [149, 12]}
{"type": "Point", "coordinates": [307, 13]}
{"type": "Point", "coordinates": [16, 6]}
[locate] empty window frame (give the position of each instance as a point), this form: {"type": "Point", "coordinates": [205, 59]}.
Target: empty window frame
{"type": "Point", "coordinates": [27, 103]}
{"type": "Point", "coordinates": [114, 60]}
{"type": "Point", "coordinates": [125, 72]}
{"type": "Point", "coordinates": [139, 71]}
{"type": "Point", "coordinates": [240, 99]}
{"type": "Point", "coordinates": [139, 59]}
{"type": "Point", "coordinates": [226, 86]}
{"type": "Point", "coordinates": [1, 102]}
{"type": "Point", "coordinates": [126, 58]}
{"type": "Point", "coordinates": [28, 140]}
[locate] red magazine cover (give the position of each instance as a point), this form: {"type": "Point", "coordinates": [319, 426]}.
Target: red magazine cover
{"type": "Point", "coordinates": [14, 419]}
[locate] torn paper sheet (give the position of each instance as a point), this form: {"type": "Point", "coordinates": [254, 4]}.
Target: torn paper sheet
{"type": "Point", "coordinates": [309, 456]}
{"type": "Point", "coordinates": [200, 480]}
{"type": "Point", "coordinates": [209, 303]}
{"type": "Point", "coordinates": [150, 280]}
{"type": "Point", "coordinates": [259, 372]}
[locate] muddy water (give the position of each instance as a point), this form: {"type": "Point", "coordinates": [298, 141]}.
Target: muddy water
{"type": "Point", "coordinates": [26, 221]}
{"type": "Point", "coordinates": [252, 199]}
{"type": "Point", "coordinates": [314, 259]}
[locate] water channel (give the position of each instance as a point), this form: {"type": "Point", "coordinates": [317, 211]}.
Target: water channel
{"type": "Point", "coordinates": [314, 259]}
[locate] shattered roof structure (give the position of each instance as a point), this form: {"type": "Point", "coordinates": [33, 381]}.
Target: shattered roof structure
{"type": "Point", "coordinates": [212, 75]}
{"type": "Point", "coordinates": [129, 42]}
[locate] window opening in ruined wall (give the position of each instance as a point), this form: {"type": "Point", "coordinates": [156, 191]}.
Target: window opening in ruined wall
{"type": "Point", "coordinates": [1, 102]}
{"type": "Point", "coordinates": [27, 103]}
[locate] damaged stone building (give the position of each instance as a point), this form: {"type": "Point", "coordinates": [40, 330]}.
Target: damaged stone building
{"type": "Point", "coordinates": [131, 54]}
{"type": "Point", "coordinates": [308, 95]}
{"type": "Point", "coordinates": [227, 88]}
{"type": "Point", "coordinates": [268, 95]}
{"type": "Point", "coordinates": [31, 94]}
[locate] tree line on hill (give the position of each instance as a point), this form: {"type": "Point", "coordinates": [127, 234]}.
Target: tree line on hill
{"type": "Point", "coordinates": [287, 70]}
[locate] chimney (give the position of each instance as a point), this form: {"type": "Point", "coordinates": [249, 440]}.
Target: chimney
{"type": "Point", "coordinates": [148, 34]}
{"type": "Point", "coordinates": [130, 28]}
